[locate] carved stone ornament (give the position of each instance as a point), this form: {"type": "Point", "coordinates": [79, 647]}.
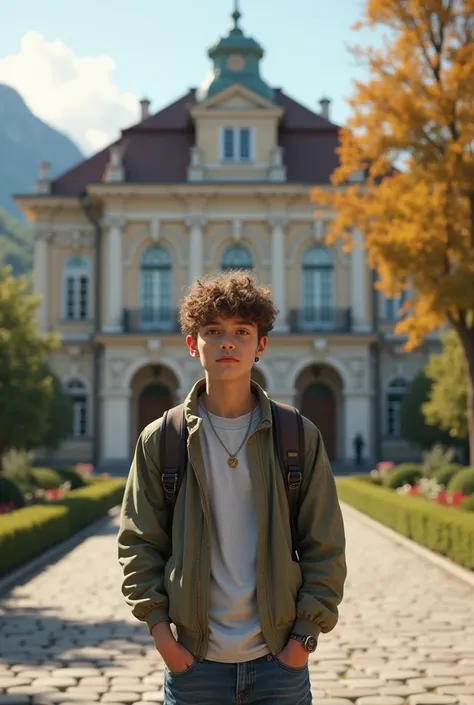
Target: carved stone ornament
{"type": "Point", "coordinates": [237, 230]}
{"type": "Point", "coordinates": [74, 351]}
{"type": "Point", "coordinates": [115, 220]}
{"type": "Point", "coordinates": [153, 344]}
{"type": "Point", "coordinates": [280, 367]}
{"type": "Point", "coordinates": [357, 367]}
{"type": "Point", "coordinates": [155, 229]}
{"type": "Point", "coordinates": [117, 368]}
{"type": "Point", "coordinates": [320, 344]}
{"type": "Point", "coordinates": [319, 230]}
{"type": "Point", "coordinates": [75, 239]}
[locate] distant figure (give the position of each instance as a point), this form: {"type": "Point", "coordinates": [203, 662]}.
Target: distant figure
{"type": "Point", "coordinates": [358, 448]}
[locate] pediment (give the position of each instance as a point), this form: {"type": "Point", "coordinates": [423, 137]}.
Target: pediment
{"type": "Point", "coordinates": [235, 103]}
{"type": "Point", "coordinates": [236, 97]}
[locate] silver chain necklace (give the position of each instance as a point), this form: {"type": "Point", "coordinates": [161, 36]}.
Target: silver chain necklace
{"type": "Point", "coordinates": [232, 461]}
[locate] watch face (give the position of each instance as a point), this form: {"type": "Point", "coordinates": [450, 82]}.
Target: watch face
{"type": "Point", "coordinates": [235, 62]}
{"type": "Point", "coordinates": [311, 643]}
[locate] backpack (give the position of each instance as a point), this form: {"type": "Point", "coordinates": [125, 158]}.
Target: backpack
{"type": "Point", "coordinates": [288, 439]}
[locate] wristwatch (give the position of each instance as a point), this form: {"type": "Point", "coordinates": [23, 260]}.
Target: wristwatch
{"type": "Point", "coordinates": [309, 642]}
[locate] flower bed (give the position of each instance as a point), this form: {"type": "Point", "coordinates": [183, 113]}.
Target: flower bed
{"type": "Point", "coordinates": [22, 485]}
{"type": "Point", "coordinates": [28, 532]}
{"type": "Point", "coordinates": [443, 529]}
{"type": "Point", "coordinates": [451, 485]}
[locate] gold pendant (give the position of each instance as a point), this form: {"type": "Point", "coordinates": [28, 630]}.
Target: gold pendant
{"type": "Point", "coordinates": [232, 462]}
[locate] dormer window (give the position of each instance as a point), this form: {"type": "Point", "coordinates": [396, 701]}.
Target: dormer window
{"type": "Point", "coordinates": [237, 144]}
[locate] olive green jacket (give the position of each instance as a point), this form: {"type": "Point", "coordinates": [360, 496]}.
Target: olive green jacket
{"type": "Point", "coordinates": [167, 578]}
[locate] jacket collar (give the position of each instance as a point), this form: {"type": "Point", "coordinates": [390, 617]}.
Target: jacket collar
{"type": "Point", "coordinates": [191, 405]}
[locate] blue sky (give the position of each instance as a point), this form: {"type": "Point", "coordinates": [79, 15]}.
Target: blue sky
{"type": "Point", "coordinates": [83, 66]}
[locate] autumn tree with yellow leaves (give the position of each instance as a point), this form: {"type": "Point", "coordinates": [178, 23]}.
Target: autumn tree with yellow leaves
{"type": "Point", "coordinates": [411, 131]}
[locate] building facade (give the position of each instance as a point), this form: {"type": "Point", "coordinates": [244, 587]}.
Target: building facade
{"type": "Point", "coordinates": [219, 179]}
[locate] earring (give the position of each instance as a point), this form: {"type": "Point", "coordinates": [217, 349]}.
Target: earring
{"type": "Point", "coordinates": [256, 359]}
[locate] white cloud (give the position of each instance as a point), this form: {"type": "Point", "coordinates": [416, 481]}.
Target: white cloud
{"type": "Point", "coordinates": [76, 94]}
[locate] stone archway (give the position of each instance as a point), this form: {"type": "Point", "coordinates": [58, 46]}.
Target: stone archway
{"type": "Point", "coordinates": [153, 401]}
{"type": "Point", "coordinates": [319, 398]}
{"type": "Point", "coordinates": [154, 390]}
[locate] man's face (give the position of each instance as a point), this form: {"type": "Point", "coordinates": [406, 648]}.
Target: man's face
{"type": "Point", "coordinates": [227, 347]}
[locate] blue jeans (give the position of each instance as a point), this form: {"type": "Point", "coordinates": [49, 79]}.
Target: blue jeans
{"type": "Point", "coordinates": [265, 681]}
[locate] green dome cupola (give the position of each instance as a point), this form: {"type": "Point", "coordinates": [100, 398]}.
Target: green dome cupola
{"type": "Point", "coordinates": [236, 60]}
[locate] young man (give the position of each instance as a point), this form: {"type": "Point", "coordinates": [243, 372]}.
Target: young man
{"type": "Point", "coordinates": [246, 614]}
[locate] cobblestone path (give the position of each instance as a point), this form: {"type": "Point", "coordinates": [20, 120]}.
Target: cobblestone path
{"type": "Point", "coordinates": [405, 635]}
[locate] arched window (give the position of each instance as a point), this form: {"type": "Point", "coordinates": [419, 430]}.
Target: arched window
{"type": "Point", "coordinates": [156, 288]}
{"type": "Point", "coordinates": [237, 257]}
{"type": "Point", "coordinates": [396, 390]}
{"type": "Point", "coordinates": [76, 289]}
{"type": "Point", "coordinates": [318, 287]}
{"type": "Point", "coordinates": [80, 404]}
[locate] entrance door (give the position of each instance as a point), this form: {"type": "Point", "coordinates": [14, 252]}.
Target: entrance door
{"type": "Point", "coordinates": [318, 404]}
{"type": "Point", "coordinates": [153, 401]}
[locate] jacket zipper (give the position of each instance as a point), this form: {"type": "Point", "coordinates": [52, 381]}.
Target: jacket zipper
{"type": "Point", "coordinates": [198, 563]}
{"type": "Point", "coordinates": [265, 534]}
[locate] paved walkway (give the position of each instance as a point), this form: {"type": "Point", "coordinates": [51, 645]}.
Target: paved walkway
{"type": "Point", "coordinates": [406, 633]}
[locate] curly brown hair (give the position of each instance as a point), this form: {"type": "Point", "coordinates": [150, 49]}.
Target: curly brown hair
{"type": "Point", "coordinates": [227, 294]}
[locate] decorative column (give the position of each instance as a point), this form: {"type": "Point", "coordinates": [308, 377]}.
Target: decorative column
{"type": "Point", "coordinates": [278, 273]}
{"type": "Point", "coordinates": [195, 225]}
{"type": "Point", "coordinates": [42, 236]}
{"type": "Point", "coordinates": [358, 419]}
{"type": "Point", "coordinates": [358, 405]}
{"type": "Point", "coordinates": [116, 429]}
{"type": "Point", "coordinates": [359, 291]}
{"type": "Point", "coordinates": [114, 274]}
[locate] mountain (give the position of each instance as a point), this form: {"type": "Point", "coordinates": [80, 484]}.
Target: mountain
{"type": "Point", "coordinates": [25, 141]}
{"type": "Point", "coordinates": [16, 246]}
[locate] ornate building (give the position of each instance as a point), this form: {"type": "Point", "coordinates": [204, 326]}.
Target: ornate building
{"type": "Point", "coordinates": [221, 178]}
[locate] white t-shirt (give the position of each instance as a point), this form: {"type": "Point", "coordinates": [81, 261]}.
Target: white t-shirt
{"type": "Point", "coordinates": [235, 632]}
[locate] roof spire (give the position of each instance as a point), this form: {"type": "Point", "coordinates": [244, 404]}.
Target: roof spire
{"type": "Point", "coordinates": [236, 15]}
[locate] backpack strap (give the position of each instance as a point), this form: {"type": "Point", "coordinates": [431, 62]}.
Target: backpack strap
{"type": "Point", "coordinates": [173, 453]}
{"type": "Point", "coordinates": [288, 438]}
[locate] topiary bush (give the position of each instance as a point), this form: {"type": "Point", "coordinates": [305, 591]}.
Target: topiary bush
{"type": "Point", "coordinates": [72, 476]}
{"type": "Point", "coordinates": [47, 479]}
{"type": "Point", "coordinates": [463, 482]}
{"type": "Point", "coordinates": [10, 492]}
{"type": "Point", "coordinates": [446, 474]}
{"type": "Point", "coordinates": [405, 473]}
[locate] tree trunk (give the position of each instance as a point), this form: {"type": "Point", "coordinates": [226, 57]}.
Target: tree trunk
{"type": "Point", "coordinates": [466, 335]}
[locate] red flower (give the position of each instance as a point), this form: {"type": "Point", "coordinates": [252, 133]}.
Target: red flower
{"type": "Point", "coordinates": [385, 466]}
{"type": "Point", "coordinates": [456, 498]}
{"type": "Point", "coordinates": [443, 497]}
{"type": "Point", "coordinates": [414, 490]}
{"type": "Point", "coordinates": [53, 494]}
{"type": "Point", "coordinates": [7, 508]}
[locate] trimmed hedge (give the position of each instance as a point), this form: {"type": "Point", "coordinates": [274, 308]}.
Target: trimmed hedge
{"type": "Point", "coordinates": [46, 478]}
{"type": "Point", "coordinates": [72, 476]}
{"type": "Point", "coordinates": [463, 481]}
{"type": "Point", "coordinates": [446, 474]}
{"type": "Point", "coordinates": [445, 530]}
{"type": "Point", "coordinates": [403, 474]}
{"type": "Point", "coordinates": [28, 532]}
